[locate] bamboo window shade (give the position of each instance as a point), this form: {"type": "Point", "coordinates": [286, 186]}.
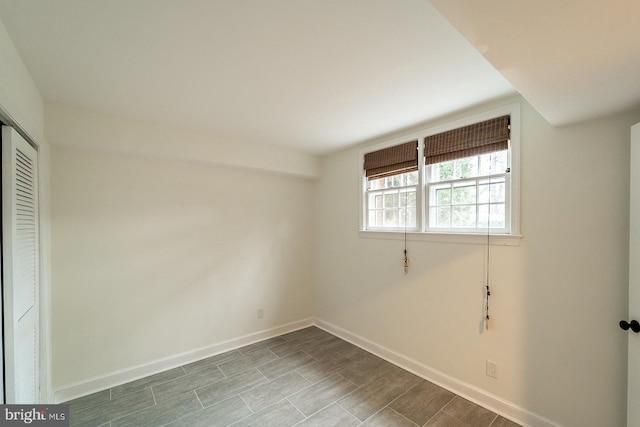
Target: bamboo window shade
{"type": "Point", "coordinates": [392, 160]}
{"type": "Point", "coordinates": [479, 138]}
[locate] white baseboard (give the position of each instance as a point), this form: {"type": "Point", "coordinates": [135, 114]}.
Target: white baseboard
{"type": "Point", "coordinates": [112, 379]}
{"type": "Point", "coordinates": [468, 391]}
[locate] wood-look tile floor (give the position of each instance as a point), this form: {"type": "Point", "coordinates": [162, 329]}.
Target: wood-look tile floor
{"type": "Point", "coordinates": [304, 378]}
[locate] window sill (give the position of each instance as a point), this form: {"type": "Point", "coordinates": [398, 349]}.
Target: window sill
{"type": "Point", "coordinates": [472, 239]}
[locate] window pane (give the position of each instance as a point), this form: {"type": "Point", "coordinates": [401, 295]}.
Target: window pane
{"type": "Point", "coordinates": [463, 216]}
{"type": "Point", "coordinates": [440, 217]}
{"type": "Point", "coordinates": [442, 171]}
{"type": "Point", "coordinates": [443, 196]}
{"type": "Point", "coordinates": [376, 184]}
{"type": "Point", "coordinates": [394, 181]}
{"type": "Point", "coordinates": [407, 216]}
{"type": "Point", "coordinates": [391, 200]}
{"type": "Point", "coordinates": [412, 178]}
{"type": "Point", "coordinates": [466, 168]}
{"type": "Point", "coordinates": [407, 198]}
{"type": "Point", "coordinates": [493, 163]}
{"type": "Point", "coordinates": [386, 207]}
{"type": "Point", "coordinates": [372, 218]}
{"type": "Point", "coordinates": [497, 215]}
{"type": "Point", "coordinates": [497, 192]}
{"type": "Point", "coordinates": [491, 189]}
{"type": "Point", "coordinates": [483, 192]}
{"type": "Point", "coordinates": [378, 201]}
{"type": "Point", "coordinates": [411, 199]}
{"type": "Point", "coordinates": [483, 215]}
{"type": "Point", "coordinates": [464, 194]}
{"type": "Point", "coordinates": [390, 218]}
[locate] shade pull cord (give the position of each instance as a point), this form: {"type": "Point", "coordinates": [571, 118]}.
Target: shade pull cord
{"type": "Point", "coordinates": [405, 259]}
{"type": "Point", "coordinates": [487, 292]}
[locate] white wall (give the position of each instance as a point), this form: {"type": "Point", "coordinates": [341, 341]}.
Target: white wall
{"type": "Point", "coordinates": [556, 298]}
{"type": "Point", "coordinates": [21, 105]}
{"type": "Point", "coordinates": [19, 96]}
{"type": "Point", "coordinates": [81, 128]}
{"type": "Point", "coordinates": [155, 256]}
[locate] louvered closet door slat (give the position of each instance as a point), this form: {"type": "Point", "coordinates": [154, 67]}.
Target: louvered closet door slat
{"type": "Point", "coordinates": [25, 297]}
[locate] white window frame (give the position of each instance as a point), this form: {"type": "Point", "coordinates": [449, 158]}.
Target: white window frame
{"type": "Point", "coordinates": [399, 191]}
{"type": "Point", "coordinates": [451, 235]}
{"type": "Point", "coordinates": [475, 230]}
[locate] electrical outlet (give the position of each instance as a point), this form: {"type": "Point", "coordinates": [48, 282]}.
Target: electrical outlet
{"type": "Point", "coordinates": [492, 369]}
{"type": "Point", "coordinates": [260, 313]}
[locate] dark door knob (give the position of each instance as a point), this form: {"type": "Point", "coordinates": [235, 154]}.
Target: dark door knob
{"type": "Point", "coordinates": [633, 325]}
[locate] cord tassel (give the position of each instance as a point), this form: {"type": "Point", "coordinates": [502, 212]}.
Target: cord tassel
{"type": "Point", "coordinates": [486, 307]}
{"type": "Point", "coordinates": [405, 262]}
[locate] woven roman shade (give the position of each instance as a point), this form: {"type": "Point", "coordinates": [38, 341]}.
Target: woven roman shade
{"type": "Point", "coordinates": [479, 138]}
{"type": "Point", "coordinates": [392, 160]}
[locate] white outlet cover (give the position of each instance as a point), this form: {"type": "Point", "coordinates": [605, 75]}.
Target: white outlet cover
{"type": "Point", "coordinates": [492, 369]}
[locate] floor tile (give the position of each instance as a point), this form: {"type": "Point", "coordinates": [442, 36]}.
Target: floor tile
{"type": "Point", "coordinates": [270, 393]}
{"type": "Point", "coordinates": [162, 413]}
{"type": "Point", "coordinates": [503, 422]}
{"type": "Point", "coordinates": [133, 386]}
{"type": "Point", "coordinates": [288, 347]}
{"type": "Point", "coordinates": [282, 414]}
{"type": "Point", "coordinates": [247, 362]}
{"type": "Point", "coordinates": [469, 412]}
{"type": "Point", "coordinates": [226, 388]}
{"type": "Point", "coordinates": [442, 419]}
{"type": "Point", "coordinates": [422, 402]}
{"type": "Point", "coordinates": [320, 335]}
{"type": "Point", "coordinates": [89, 401]}
{"type": "Point", "coordinates": [285, 364]}
{"type": "Point", "coordinates": [327, 348]}
{"type": "Point", "coordinates": [306, 338]}
{"type": "Point", "coordinates": [355, 354]}
{"type": "Point", "coordinates": [365, 370]}
{"type": "Point", "coordinates": [113, 409]}
{"type": "Point", "coordinates": [369, 399]}
{"type": "Point", "coordinates": [321, 369]}
{"type": "Point", "coordinates": [174, 388]}
{"type": "Point", "coordinates": [332, 416]}
{"type": "Point", "coordinates": [213, 360]}
{"type": "Point", "coordinates": [319, 395]}
{"type": "Point", "coordinates": [219, 415]}
{"type": "Point", "coordinates": [311, 332]}
{"type": "Point", "coordinates": [388, 418]}
{"type": "Point", "coordinates": [401, 378]}
{"type": "Point", "coordinates": [260, 345]}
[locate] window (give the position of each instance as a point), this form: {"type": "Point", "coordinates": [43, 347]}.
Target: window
{"type": "Point", "coordinates": [392, 187]}
{"type": "Point", "coordinates": [468, 194]}
{"type": "Point", "coordinates": [460, 179]}
{"type": "Point", "coordinates": [391, 201]}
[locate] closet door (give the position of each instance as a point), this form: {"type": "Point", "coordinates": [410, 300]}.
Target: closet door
{"type": "Point", "coordinates": [20, 269]}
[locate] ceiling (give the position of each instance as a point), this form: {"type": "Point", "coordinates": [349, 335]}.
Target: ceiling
{"type": "Point", "coordinates": [573, 60]}
{"type": "Point", "coordinates": [319, 75]}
